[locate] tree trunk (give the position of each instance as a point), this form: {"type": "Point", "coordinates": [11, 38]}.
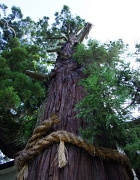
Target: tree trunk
{"type": "Point", "coordinates": [64, 93]}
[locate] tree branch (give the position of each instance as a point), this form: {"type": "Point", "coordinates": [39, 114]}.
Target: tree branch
{"type": "Point", "coordinates": [68, 35]}
{"type": "Point", "coordinates": [58, 37]}
{"type": "Point", "coordinates": [53, 50]}
{"type": "Point", "coordinates": [35, 75]}
{"type": "Point", "coordinates": [8, 27]}
{"type": "Point", "coordinates": [78, 29]}
{"type": "Point", "coordinates": [135, 122]}
{"type": "Point", "coordinates": [84, 33]}
{"type": "Point", "coordinates": [51, 61]}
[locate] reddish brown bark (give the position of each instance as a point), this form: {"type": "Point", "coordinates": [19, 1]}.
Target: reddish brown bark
{"type": "Point", "coordinates": [64, 93]}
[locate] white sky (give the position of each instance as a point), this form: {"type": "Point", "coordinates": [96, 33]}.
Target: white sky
{"type": "Point", "coordinates": [112, 19]}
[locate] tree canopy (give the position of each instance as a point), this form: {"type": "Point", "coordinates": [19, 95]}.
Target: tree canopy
{"type": "Point", "coordinates": [20, 95]}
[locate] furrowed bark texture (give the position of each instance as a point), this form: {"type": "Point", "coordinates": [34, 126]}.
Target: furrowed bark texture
{"type": "Point", "coordinates": [64, 93]}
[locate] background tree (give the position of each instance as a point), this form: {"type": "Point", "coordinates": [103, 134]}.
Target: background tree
{"type": "Point", "coordinates": [20, 95]}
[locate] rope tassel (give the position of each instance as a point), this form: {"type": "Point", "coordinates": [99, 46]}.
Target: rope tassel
{"type": "Point", "coordinates": [23, 173]}
{"type": "Point", "coordinates": [62, 152]}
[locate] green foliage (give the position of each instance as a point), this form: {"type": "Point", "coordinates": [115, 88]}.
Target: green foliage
{"type": "Point", "coordinates": [105, 102]}
{"type": "Point", "coordinates": [27, 51]}
{"type": "Point", "coordinates": [19, 94]}
{"type": "Point", "coordinates": [9, 98]}
{"type": "Point", "coordinates": [82, 53]}
{"type": "Point", "coordinates": [65, 19]}
{"type": "Point", "coordinates": [23, 46]}
{"type": "Point", "coordinates": [100, 53]}
{"type": "Point", "coordinates": [111, 93]}
{"type": "Point", "coordinates": [29, 124]}
{"type": "Point", "coordinates": [133, 147]}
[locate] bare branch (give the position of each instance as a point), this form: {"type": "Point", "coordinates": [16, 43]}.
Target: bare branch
{"type": "Point", "coordinates": [58, 37]}
{"type": "Point", "coordinates": [68, 35]}
{"type": "Point", "coordinates": [76, 32]}
{"type": "Point", "coordinates": [84, 33]}
{"type": "Point", "coordinates": [8, 27]}
{"type": "Point", "coordinates": [37, 76]}
{"type": "Point", "coordinates": [65, 35]}
{"type": "Point", "coordinates": [53, 50]}
{"type": "Point", "coordinates": [134, 122]}
{"type": "Point", "coordinates": [51, 61]}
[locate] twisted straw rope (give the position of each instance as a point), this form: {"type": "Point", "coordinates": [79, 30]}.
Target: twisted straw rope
{"type": "Point", "coordinates": [37, 143]}
{"type": "Point", "coordinates": [41, 130]}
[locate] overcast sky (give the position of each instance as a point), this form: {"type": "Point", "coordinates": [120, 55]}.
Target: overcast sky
{"type": "Point", "coordinates": [112, 19]}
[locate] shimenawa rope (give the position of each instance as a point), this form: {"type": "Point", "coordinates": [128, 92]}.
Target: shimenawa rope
{"type": "Point", "coordinates": [37, 143]}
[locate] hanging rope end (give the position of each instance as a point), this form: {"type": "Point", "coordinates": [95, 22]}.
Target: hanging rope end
{"type": "Point", "coordinates": [62, 155]}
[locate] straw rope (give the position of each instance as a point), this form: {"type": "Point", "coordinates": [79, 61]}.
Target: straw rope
{"type": "Point", "coordinates": [37, 143]}
{"type": "Point", "coordinates": [41, 130]}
